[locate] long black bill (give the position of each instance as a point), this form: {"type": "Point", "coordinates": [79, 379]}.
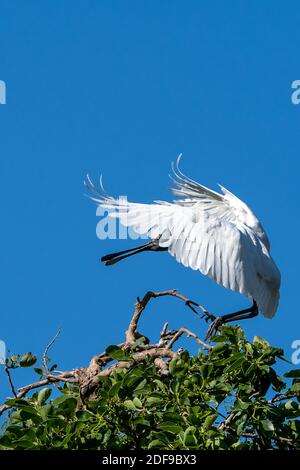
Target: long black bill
{"type": "Point", "coordinates": [113, 258]}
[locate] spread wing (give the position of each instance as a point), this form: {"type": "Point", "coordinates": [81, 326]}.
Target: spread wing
{"type": "Point", "coordinates": [203, 230]}
{"type": "Point", "coordinates": [226, 206]}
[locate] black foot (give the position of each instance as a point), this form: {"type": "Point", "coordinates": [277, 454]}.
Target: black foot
{"type": "Point", "coordinates": [214, 327]}
{"type": "Point", "coordinates": [235, 316]}
{"type": "Point", "coordinates": [207, 316]}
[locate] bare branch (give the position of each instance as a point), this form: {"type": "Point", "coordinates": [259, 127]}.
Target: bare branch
{"type": "Point", "coordinates": [140, 357]}
{"type": "Point", "coordinates": [249, 435]}
{"type": "Point", "coordinates": [141, 305]}
{"type": "Point", "coordinates": [10, 380]}
{"type": "Point", "coordinates": [48, 380]}
{"type": "Point", "coordinates": [22, 392]}
{"type": "Point", "coordinates": [161, 364]}
{"type": "Point", "coordinates": [187, 301]}
{"type": "Point", "coordinates": [189, 333]}
{"type": "Point", "coordinates": [164, 329]}
{"type": "Point", "coordinates": [163, 332]}
{"type": "Point", "coordinates": [45, 364]}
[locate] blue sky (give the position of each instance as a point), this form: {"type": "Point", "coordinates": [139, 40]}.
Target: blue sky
{"type": "Point", "coordinates": [121, 88]}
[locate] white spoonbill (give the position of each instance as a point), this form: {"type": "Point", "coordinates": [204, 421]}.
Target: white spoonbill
{"type": "Point", "coordinates": [216, 234]}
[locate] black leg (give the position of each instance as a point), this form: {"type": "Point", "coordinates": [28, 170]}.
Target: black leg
{"type": "Point", "coordinates": [235, 316]}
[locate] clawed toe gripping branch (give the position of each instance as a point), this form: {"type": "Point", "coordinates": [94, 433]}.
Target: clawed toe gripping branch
{"type": "Point", "coordinates": [136, 345]}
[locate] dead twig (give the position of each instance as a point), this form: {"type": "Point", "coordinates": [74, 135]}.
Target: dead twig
{"type": "Point", "coordinates": [6, 368]}
{"type": "Point", "coordinates": [45, 359]}
{"type": "Point", "coordinates": [189, 333]}
{"type": "Point", "coordinates": [141, 305]}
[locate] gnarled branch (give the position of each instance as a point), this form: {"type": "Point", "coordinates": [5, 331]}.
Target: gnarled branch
{"type": "Point", "coordinates": [89, 378]}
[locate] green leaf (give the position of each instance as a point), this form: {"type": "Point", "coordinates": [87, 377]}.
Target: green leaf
{"type": "Point", "coordinates": [140, 385]}
{"type": "Point", "coordinates": [292, 374]}
{"type": "Point", "coordinates": [174, 417]}
{"type": "Point", "coordinates": [289, 405]}
{"type": "Point", "coordinates": [206, 370]}
{"type": "Point", "coordinates": [17, 402]}
{"type": "Point", "coordinates": [106, 436]}
{"type": "Point", "coordinates": [276, 380]}
{"type": "Point", "coordinates": [115, 352]}
{"type": "Point", "coordinates": [60, 400]}
{"type": "Point", "coordinates": [157, 444]}
{"type": "Point", "coordinates": [142, 422]}
{"type": "Point", "coordinates": [267, 425]}
{"type": "Point", "coordinates": [189, 438]}
{"type": "Point", "coordinates": [295, 387]}
{"type": "Point", "coordinates": [260, 342]}
{"type": "Point", "coordinates": [30, 410]}
{"type": "Point", "coordinates": [220, 347]}
{"type": "Point", "coordinates": [236, 365]}
{"type": "Point", "coordinates": [168, 426]}
{"type": "Point", "coordinates": [140, 341]}
{"type": "Point", "coordinates": [66, 404]}
{"type": "Point", "coordinates": [153, 401]}
{"type": "Point", "coordinates": [130, 405]}
{"type": "Point", "coordinates": [137, 402]}
{"type": "Point", "coordinates": [219, 339]}
{"type": "Point", "coordinates": [43, 395]}
{"type": "Point", "coordinates": [132, 377]}
{"type": "Point", "coordinates": [241, 422]}
{"type": "Point", "coordinates": [83, 415]}
{"type": "Point", "coordinates": [45, 410]}
{"type": "Point", "coordinates": [28, 360]}
{"type": "Point", "coordinates": [242, 405]}
{"type": "Point", "coordinates": [25, 443]}
{"type": "Point", "coordinates": [29, 413]}
{"type": "Point", "coordinates": [114, 390]}
{"type": "Point", "coordinates": [209, 420]}
{"type": "Point", "coordinates": [160, 385]}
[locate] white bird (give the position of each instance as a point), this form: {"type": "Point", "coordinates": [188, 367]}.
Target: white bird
{"type": "Point", "coordinates": [216, 234]}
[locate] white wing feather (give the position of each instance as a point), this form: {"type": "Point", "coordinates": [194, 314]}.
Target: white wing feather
{"type": "Point", "coordinates": [206, 231]}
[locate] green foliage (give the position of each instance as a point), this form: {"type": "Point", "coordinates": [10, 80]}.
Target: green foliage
{"type": "Point", "coordinates": [15, 361]}
{"type": "Point", "coordinates": [228, 398]}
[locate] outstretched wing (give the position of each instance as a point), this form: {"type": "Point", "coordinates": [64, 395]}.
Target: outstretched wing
{"type": "Point", "coordinates": [204, 231]}
{"type": "Point", "coordinates": [226, 206]}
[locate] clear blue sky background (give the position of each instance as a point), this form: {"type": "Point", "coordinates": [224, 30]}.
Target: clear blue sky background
{"type": "Point", "coordinates": [121, 88]}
